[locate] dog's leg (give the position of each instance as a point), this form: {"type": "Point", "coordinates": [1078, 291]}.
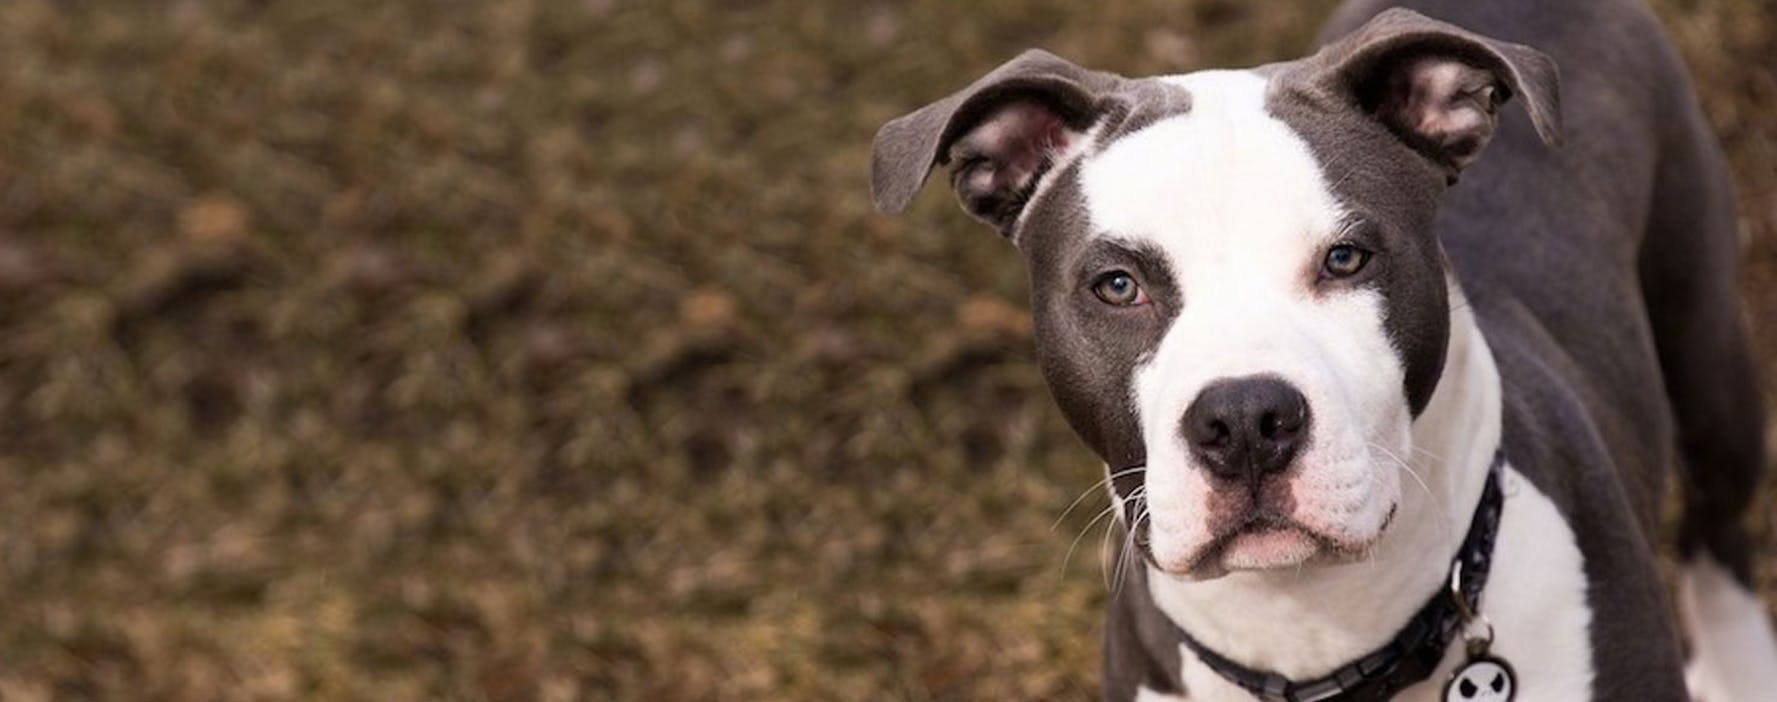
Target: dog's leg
{"type": "Point", "coordinates": [1688, 270]}
{"type": "Point", "coordinates": [1733, 653]}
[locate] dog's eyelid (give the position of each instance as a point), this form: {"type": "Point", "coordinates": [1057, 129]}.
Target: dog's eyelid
{"type": "Point", "coordinates": [1109, 244]}
{"type": "Point", "coordinates": [1355, 230]}
{"type": "Point", "coordinates": [1110, 254]}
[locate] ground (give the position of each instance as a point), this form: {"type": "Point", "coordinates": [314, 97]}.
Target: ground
{"type": "Point", "coordinates": [482, 350]}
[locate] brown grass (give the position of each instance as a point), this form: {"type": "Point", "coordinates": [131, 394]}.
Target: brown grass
{"type": "Point", "coordinates": [551, 350]}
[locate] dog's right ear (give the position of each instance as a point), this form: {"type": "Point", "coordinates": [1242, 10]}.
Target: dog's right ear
{"type": "Point", "coordinates": [1438, 86]}
{"type": "Point", "coordinates": [998, 136]}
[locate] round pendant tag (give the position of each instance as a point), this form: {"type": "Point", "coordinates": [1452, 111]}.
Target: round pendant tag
{"type": "Point", "coordinates": [1482, 679]}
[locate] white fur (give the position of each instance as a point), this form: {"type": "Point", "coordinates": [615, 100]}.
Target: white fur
{"type": "Point", "coordinates": [1238, 205]}
{"type": "Point", "coordinates": [1536, 597]}
{"type": "Point", "coordinates": [1143, 694]}
{"type": "Point", "coordinates": [1733, 652]}
{"type": "Point", "coordinates": [1305, 623]}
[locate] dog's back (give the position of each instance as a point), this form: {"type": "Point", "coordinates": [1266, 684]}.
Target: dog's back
{"type": "Point", "coordinates": [1604, 276]}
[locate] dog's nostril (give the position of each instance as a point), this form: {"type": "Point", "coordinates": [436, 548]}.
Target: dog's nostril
{"type": "Point", "coordinates": [1218, 433]}
{"type": "Point", "coordinates": [1280, 424]}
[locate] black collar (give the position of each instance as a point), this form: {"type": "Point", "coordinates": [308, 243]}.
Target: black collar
{"type": "Point", "coordinates": [1415, 651]}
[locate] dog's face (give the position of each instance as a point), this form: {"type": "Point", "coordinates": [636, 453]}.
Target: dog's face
{"type": "Point", "coordinates": [1239, 301]}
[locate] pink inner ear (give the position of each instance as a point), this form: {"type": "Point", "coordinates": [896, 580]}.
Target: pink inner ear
{"type": "Point", "coordinates": [1442, 102]}
{"type": "Point", "coordinates": [1017, 139]}
{"type": "Point", "coordinates": [995, 165]}
{"type": "Point", "coordinates": [1439, 101]}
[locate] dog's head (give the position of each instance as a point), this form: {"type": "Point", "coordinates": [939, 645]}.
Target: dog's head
{"type": "Point", "coordinates": [1234, 275]}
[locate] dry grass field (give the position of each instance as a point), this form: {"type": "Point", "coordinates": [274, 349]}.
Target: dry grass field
{"type": "Point", "coordinates": [526, 349]}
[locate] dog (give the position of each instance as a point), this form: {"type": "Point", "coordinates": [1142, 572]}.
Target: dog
{"type": "Point", "coordinates": [1389, 352]}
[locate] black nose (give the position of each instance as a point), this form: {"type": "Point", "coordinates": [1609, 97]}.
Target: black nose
{"type": "Point", "coordinates": [1246, 428]}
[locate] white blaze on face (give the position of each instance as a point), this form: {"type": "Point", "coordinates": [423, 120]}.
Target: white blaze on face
{"type": "Point", "coordinates": [1239, 207]}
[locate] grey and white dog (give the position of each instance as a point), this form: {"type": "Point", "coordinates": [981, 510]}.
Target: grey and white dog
{"type": "Point", "coordinates": [1299, 309]}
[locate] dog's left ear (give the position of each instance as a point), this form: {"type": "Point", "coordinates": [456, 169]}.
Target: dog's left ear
{"type": "Point", "coordinates": [998, 136]}
{"type": "Point", "coordinates": [1437, 86]}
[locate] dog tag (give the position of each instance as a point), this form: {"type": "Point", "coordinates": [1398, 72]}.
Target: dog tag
{"type": "Point", "coordinates": [1482, 678]}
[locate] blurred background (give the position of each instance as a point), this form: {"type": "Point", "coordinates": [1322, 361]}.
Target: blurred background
{"type": "Point", "coordinates": [550, 349]}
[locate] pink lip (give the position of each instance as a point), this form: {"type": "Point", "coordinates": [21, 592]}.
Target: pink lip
{"type": "Point", "coordinates": [1264, 543]}
{"type": "Point", "coordinates": [1256, 545]}
{"type": "Point", "coordinates": [1268, 547]}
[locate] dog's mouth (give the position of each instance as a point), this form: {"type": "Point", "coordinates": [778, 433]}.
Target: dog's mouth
{"type": "Point", "coordinates": [1266, 541]}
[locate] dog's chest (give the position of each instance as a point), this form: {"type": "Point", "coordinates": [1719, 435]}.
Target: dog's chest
{"type": "Point", "coordinates": [1535, 598]}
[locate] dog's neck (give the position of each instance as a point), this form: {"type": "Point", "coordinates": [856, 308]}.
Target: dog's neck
{"type": "Point", "coordinates": [1305, 622]}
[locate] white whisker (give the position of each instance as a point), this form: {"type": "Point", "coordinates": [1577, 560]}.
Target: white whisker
{"type": "Point", "coordinates": [1129, 545]}
{"type": "Point", "coordinates": [1104, 482]}
{"type": "Point", "coordinates": [1444, 524]}
{"type": "Point", "coordinates": [1124, 549]}
{"type": "Point", "coordinates": [1088, 528]}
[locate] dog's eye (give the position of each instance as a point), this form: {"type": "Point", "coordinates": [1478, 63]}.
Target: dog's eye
{"type": "Point", "coordinates": [1120, 289]}
{"type": "Point", "coordinates": [1344, 261]}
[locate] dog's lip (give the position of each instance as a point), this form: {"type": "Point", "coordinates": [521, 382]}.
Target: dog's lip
{"type": "Point", "coordinates": [1207, 562]}
{"type": "Point", "coordinates": [1260, 524]}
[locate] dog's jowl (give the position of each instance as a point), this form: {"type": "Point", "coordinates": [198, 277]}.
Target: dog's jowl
{"type": "Point", "coordinates": [1389, 352]}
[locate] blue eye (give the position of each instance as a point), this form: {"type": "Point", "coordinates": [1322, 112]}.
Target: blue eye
{"type": "Point", "coordinates": [1120, 289]}
{"type": "Point", "coordinates": [1344, 261]}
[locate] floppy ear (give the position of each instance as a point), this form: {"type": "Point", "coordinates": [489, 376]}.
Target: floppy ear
{"type": "Point", "coordinates": [999, 136]}
{"type": "Point", "coordinates": [1437, 86]}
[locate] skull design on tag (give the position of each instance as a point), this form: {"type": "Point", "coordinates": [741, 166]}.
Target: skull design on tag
{"type": "Point", "coordinates": [1483, 679]}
